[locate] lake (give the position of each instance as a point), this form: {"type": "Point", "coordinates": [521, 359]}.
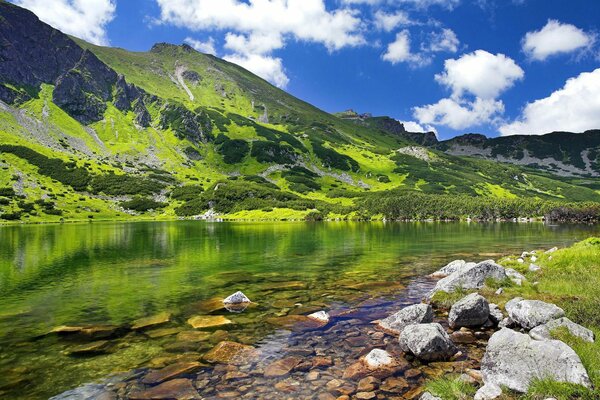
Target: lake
{"type": "Point", "coordinates": [100, 274]}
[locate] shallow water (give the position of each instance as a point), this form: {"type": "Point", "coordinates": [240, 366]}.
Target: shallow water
{"type": "Point", "coordinates": [115, 273]}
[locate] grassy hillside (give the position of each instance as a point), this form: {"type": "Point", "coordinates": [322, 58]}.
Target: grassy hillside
{"type": "Point", "coordinates": [171, 132]}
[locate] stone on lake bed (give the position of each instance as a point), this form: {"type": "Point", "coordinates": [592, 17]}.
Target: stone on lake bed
{"type": "Point", "coordinates": [159, 333]}
{"type": "Point", "coordinates": [320, 316]}
{"type": "Point", "coordinates": [229, 352]}
{"type": "Point", "coordinates": [377, 363]}
{"type": "Point", "coordinates": [378, 358]}
{"type": "Point", "coordinates": [170, 372]}
{"type": "Point", "coordinates": [236, 298]}
{"type": "Point", "coordinates": [193, 336]}
{"type": "Point", "coordinates": [296, 323]}
{"type": "Point", "coordinates": [282, 367]}
{"type": "Point", "coordinates": [98, 347]}
{"type": "Point", "coordinates": [180, 389]}
{"type": "Point", "coordinates": [91, 332]}
{"type": "Point", "coordinates": [208, 321]}
{"type": "Point", "coordinates": [151, 321]}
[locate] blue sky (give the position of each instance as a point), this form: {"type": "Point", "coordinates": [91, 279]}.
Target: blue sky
{"type": "Point", "coordinates": [455, 66]}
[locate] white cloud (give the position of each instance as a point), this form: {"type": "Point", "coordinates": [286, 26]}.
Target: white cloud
{"type": "Point", "coordinates": [85, 19]}
{"type": "Point", "coordinates": [445, 40]}
{"type": "Point", "coordinates": [412, 126]}
{"type": "Point", "coordinates": [389, 21]}
{"type": "Point", "coordinates": [267, 67]}
{"type": "Point", "coordinates": [575, 108]}
{"type": "Point", "coordinates": [448, 4]}
{"type": "Point", "coordinates": [207, 47]}
{"type": "Point", "coordinates": [399, 51]}
{"type": "Point", "coordinates": [480, 73]}
{"type": "Point", "coordinates": [459, 114]}
{"type": "Point", "coordinates": [256, 28]}
{"type": "Point", "coordinates": [555, 38]}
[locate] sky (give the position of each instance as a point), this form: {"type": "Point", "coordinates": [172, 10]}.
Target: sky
{"type": "Point", "coordinates": [497, 67]}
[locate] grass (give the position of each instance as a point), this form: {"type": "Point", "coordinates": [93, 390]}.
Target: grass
{"type": "Point", "coordinates": [450, 387]}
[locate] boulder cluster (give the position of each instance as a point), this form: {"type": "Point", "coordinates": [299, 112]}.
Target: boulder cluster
{"type": "Point", "coordinates": [521, 350]}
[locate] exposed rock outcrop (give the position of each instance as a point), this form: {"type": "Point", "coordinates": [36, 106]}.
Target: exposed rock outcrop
{"type": "Point", "coordinates": [514, 360]}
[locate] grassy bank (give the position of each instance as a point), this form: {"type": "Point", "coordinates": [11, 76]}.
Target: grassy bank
{"type": "Point", "coordinates": [569, 278]}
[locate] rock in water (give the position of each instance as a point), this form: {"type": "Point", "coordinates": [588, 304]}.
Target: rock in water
{"type": "Point", "coordinates": [180, 389]}
{"type": "Point", "coordinates": [472, 277]}
{"type": "Point", "coordinates": [237, 298]}
{"type": "Point", "coordinates": [514, 359]}
{"type": "Point", "coordinates": [152, 321]}
{"type": "Point", "coordinates": [428, 342]}
{"type": "Point", "coordinates": [531, 313]}
{"type": "Point", "coordinates": [470, 311]}
{"type": "Point", "coordinates": [378, 358]}
{"type": "Point", "coordinates": [320, 316]}
{"type": "Point", "coordinates": [415, 314]}
{"type": "Point", "coordinates": [450, 268]}
{"type": "Point", "coordinates": [208, 321]}
{"type": "Point", "coordinates": [543, 332]}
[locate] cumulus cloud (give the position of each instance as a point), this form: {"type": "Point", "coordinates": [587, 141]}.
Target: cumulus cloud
{"type": "Point", "coordinates": [412, 126]}
{"type": "Point", "coordinates": [85, 19]}
{"type": "Point", "coordinates": [399, 51]}
{"type": "Point", "coordinates": [448, 4]}
{"type": "Point", "coordinates": [575, 108]}
{"type": "Point", "coordinates": [555, 38]}
{"type": "Point", "coordinates": [389, 21]}
{"type": "Point", "coordinates": [480, 73]}
{"type": "Point", "coordinates": [256, 28]}
{"type": "Point", "coordinates": [475, 81]}
{"type": "Point", "coordinates": [459, 113]}
{"type": "Point", "coordinates": [446, 40]}
{"type": "Point", "coordinates": [269, 68]}
{"type": "Point", "coordinates": [207, 47]}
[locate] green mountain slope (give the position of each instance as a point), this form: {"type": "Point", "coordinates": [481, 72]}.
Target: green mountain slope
{"type": "Point", "coordinates": [104, 133]}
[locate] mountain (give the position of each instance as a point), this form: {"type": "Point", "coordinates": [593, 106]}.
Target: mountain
{"type": "Point", "coordinates": [105, 133]}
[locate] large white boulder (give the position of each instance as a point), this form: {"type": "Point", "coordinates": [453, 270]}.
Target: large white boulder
{"type": "Point", "coordinates": [530, 313]}
{"type": "Point", "coordinates": [471, 277]}
{"type": "Point", "coordinates": [470, 311]}
{"type": "Point", "coordinates": [514, 360]}
{"type": "Point", "coordinates": [452, 267]}
{"type": "Point", "coordinates": [415, 314]}
{"type": "Point", "coordinates": [428, 342]}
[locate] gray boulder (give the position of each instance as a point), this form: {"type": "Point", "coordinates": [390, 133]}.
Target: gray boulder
{"type": "Point", "coordinates": [515, 276]}
{"type": "Point", "coordinates": [488, 391]}
{"type": "Point", "coordinates": [452, 267]}
{"type": "Point", "coordinates": [428, 342]}
{"type": "Point", "coordinates": [496, 315]}
{"type": "Point", "coordinates": [429, 396]}
{"type": "Point", "coordinates": [543, 332]}
{"type": "Point", "coordinates": [530, 313]}
{"type": "Point", "coordinates": [514, 360]}
{"type": "Point", "coordinates": [415, 314]}
{"type": "Point", "coordinates": [471, 277]}
{"type": "Point", "coordinates": [470, 311]}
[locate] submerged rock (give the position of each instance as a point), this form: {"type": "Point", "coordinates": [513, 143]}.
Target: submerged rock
{"type": "Point", "coordinates": [282, 367]}
{"type": "Point", "coordinates": [208, 321]}
{"type": "Point", "coordinates": [544, 332]}
{"type": "Point", "coordinates": [180, 389]}
{"type": "Point", "coordinates": [428, 342]}
{"type": "Point", "coordinates": [320, 316]}
{"type": "Point", "coordinates": [415, 314]}
{"type": "Point", "coordinates": [470, 311]}
{"type": "Point", "coordinates": [229, 352]}
{"type": "Point", "coordinates": [170, 372]}
{"type": "Point", "coordinates": [514, 360]}
{"type": "Point", "coordinates": [297, 323]}
{"type": "Point", "coordinates": [471, 277]}
{"type": "Point", "coordinates": [531, 313]}
{"type": "Point", "coordinates": [152, 321]}
{"type": "Point", "coordinates": [98, 347]}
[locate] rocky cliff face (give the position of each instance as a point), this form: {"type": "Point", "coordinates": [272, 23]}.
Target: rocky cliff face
{"type": "Point", "coordinates": [82, 83]}
{"type": "Point", "coordinates": [390, 126]}
{"type": "Point", "coordinates": [562, 153]}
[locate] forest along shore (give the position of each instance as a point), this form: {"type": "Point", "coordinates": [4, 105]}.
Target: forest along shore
{"type": "Point", "coordinates": [525, 325]}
